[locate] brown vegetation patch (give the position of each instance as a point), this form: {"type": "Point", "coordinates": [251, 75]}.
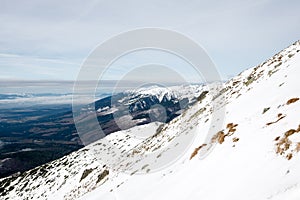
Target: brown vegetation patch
{"type": "Point", "coordinates": [290, 132]}
{"type": "Point", "coordinates": [196, 151]}
{"type": "Point", "coordinates": [293, 100]}
{"type": "Point", "coordinates": [298, 147]}
{"type": "Point", "coordinates": [229, 125]}
{"type": "Point", "coordinates": [85, 174]}
{"type": "Point", "coordinates": [135, 151]}
{"type": "Point", "coordinates": [284, 144]}
{"type": "Point", "coordinates": [280, 116]}
{"type": "Point", "coordinates": [202, 95]}
{"type": "Point", "coordinates": [289, 156]}
{"type": "Point", "coordinates": [231, 129]}
{"type": "Point", "coordinates": [235, 83]}
{"type": "Point", "coordinates": [102, 175]}
{"type": "Point", "coordinates": [277, 138]}
{"type": "Point", "coordinates": [266, 110]}
{"type": "Point", "coordinates": [219, 137]}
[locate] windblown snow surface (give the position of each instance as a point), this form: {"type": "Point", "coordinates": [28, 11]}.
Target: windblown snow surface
{"type": "Point", "coordinates": [252, 155]}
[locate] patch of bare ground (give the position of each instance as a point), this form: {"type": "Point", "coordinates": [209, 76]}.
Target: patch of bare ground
{"type": "Point", "coordinates": [195, 152]}
{"type": "Point", "coordinates": [293, 100]}
{"type": "Point", "coordinates": [280, 116]}
{"type": "Point", "coordinates": [298, 147]}
{"type": "Point", "coordinates": [284, 144]}
{"type": "Point", "coordinates": [219, 137]}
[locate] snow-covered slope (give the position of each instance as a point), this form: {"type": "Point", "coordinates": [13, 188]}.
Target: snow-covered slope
{"type": "Point", "coordinates": [252, 154]}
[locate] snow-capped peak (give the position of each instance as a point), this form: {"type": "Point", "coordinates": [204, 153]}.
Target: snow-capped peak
{"type": "Point", "coordinates": [183, 91]}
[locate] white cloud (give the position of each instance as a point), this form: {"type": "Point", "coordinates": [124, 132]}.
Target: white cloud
{"type": "Point", "coordinates": [26, 67]}
{"type": "Point", "coordinates": [237, 34]}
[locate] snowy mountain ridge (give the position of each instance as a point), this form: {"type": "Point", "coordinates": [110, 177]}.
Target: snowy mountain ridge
{"type": "Point", "coordinates": [175, 92]}
{"type": "Point", "coordinates": [252, 154]}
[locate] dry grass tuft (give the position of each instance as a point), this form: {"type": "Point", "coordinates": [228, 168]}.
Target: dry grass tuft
{"type": "Point", "coordinates": [277, 138]}
{"type": "Point", "coordinates": [298, 147]}
{"type": "Point", "coordinates": [196, 151]}
{"type": "Point", "coordinates": [231, 128]}
{"type": "Point", "coordinates": [290, 132]}
{"type": "Point", "coordinates": [284, 144]}
{"type": "Point", "coordinates": [221, 137]}
{"type": "Point", "coordinates": [289, 156]}
{"type": "Point", "coordinates": [280, 116]}
{"type": "Point", "coordinates": [293, 100]}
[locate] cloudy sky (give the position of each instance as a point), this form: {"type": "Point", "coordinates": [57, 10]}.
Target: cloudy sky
{"type": "Point", "coordinates": [49, 40]}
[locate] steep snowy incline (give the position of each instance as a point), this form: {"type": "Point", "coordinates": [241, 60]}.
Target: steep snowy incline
{"type": "Point", "coordinates": [252, 152]}
{"type": "Point", "coordinates": [256, 156]}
